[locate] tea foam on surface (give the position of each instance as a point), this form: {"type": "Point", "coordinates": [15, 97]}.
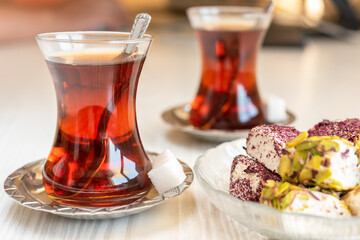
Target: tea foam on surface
{"type": "Point", "coordinates": [230, 24]}
{"type": "Point", "coordinates": [93, 56]}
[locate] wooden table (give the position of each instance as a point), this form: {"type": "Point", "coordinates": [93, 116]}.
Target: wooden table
{"type": "Point", "coordinates": [320, 81]}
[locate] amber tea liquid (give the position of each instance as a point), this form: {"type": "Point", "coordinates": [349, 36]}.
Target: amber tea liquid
{"type": "Point", "coordinates": [97, 158]}
{"type": "Point", "coordinates": [228, 97]}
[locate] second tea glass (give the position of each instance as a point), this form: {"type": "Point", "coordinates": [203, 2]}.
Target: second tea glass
{"type": "Point", "coordinates": [229, 38]}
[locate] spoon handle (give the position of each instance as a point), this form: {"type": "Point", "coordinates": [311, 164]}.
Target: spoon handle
{"type": "Point", "coordinates": [139, 27]}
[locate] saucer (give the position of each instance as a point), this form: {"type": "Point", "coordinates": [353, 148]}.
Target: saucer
{"type": "Point", "coordinates": [178, 117]}
{"type": "Point", "coordinates": [26, 187]}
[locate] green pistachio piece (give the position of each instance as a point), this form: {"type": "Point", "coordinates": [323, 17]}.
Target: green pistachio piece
{"type": "Point", "coordinates": [313, 151]}
{"type": "Point", "coordinates": [284, 168]}
{"type": "Point", "coordinates": [337, 186]}
{"type": "Point", "coordinates": [305, 175]}
{"type": "Point", "coordinates": [268, 193]}
{"type": "Point", "coordinates": [316, 188]}
{"type": "Point", "coordinates": [298, 162]}
{"type": "Point", "coordinates": [304, 197]}
{"type": "Point", "coordinates": [294, 187]}
{"type": "Point", "coordinates": [275, 203]}
{"type": "Point", "coordinates": [357, 144]}
{"type": "Point", "coordinates": [270, 183]}
{"type": "Point", "coordinates": [306, 145]}
{"type": "Point", "coordinates": [283, 187]}
{"type": "Point", "coordinates": [330, 145]}
{"type": "Point", "coordinates": [318, 138]}
{"type": "Point", "coordinates": [296, 166]}
{"type": "Point", "coordinates": [301, 137]}
{"type": "Point", "coordinates": [314, 163]}
{"type": "Point", "coordinates": [301, 156]}
{"type": "Point", "coordinates": [322, 176]}
{"type": "Point", "coordinates": [263, 191]}
{"type": "Point", "coordinates": [284, 202]}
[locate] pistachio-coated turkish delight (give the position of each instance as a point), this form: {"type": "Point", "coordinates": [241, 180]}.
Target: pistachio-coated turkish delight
{"type": "Point", "coordinates": [325, 161]}
{"type": "Point", "coordinates": [296, 199]}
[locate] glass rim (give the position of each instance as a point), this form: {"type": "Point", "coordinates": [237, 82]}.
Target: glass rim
{"type": "Point", "coordinates": [234, 9]}
{"type": "Point", "coordinates": [51, 36]}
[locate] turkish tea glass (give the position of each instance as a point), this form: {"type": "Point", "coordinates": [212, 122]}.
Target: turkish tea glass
{"type": "Point", "coordinates": [97, 158]}
{"type": "Point", "coordinates": [229, 38]}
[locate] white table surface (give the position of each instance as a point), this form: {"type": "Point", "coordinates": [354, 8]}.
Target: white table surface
{"type": "Point", "coordinates": [320, 81]}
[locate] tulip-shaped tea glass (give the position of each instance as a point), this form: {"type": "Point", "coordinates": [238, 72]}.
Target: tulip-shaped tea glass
{"type": "Point", "coordinates": [97, 158]}
{"type": "Point", "coordinates": [230, 38]}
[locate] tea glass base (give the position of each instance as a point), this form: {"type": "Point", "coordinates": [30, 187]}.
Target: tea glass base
{"type": "Point", "coordinates": [178, 118]}
{"type": "Point", "coordinates": [101, 202]}
{"type": "Point", "coordinates": [25, 186]}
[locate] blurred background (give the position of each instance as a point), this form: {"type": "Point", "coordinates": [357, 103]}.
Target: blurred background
{"type": "Point", "coordinates": [294, 20]}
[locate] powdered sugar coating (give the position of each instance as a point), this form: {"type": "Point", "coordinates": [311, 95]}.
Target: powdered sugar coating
{"type": "Point", "coordinates": [266, 142]}
{"type": "Point", "coordinates": [348, 129]}
{"type": "Point", "coordinates": [248, 177]}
